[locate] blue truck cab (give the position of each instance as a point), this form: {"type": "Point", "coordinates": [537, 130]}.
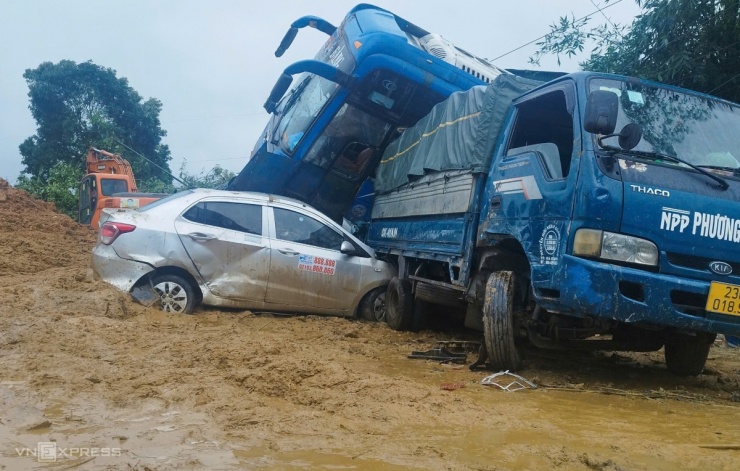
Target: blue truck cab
{"type": "Point", "coordinates": [593, 211]}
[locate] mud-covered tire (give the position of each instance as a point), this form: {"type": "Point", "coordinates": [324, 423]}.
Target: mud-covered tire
{"type": "Point", "coordinates": [399, 305]}
{"type": "Point", "coordinates": [372, 306]}
{"type": "Point", "coordinates": [175, 294]}
{"type": "Point", "coordinates": [686, 355]}
{"type": "Point", "coordinates": [498, 322]}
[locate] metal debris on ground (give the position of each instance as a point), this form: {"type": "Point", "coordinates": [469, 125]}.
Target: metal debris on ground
{"type": "Point", "coordinates": [448, 351]}
{"type": "Point", "coordinates": [498, 380]}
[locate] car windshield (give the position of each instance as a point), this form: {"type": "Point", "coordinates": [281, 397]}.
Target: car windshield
{"type": "Point", "coordinates": [299, 109]}
{"type": "Point", "coordinates": [698, 129]}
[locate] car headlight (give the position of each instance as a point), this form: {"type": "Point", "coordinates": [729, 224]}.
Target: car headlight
{"type": "Point", "coordinates": [611, 246]}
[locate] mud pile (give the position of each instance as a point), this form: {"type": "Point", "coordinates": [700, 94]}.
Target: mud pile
{"type": "Point", "coordinates": [35, 237]}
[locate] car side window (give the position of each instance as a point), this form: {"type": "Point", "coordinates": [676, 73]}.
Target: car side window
{"type": "Point", "coordinates": [302, 229]}
{"type": "Point", "coordinates": [234, 216]}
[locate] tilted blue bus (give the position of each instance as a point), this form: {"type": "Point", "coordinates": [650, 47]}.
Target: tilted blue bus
{"type": "Point", "coordinates": [376, 75]}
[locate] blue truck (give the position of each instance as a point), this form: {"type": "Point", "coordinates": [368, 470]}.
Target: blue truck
{"type": "Point", "coordinates": [582, 211]}
{"type": "Point", "coordinates": [592, 211]}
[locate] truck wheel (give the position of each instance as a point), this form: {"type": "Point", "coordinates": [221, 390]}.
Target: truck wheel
{"type": "Point", "coordinates": [498, 322]}
{"type": "Point", "coordinates": [399, 305]}
{"type": "Point", "coordinates": [372, 306]}
{"type": "Point", "coordinates": [686, 355]}
{"type": "Point", "coordinates": [175, 294]}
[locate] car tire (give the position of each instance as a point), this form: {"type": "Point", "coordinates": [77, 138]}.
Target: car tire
{"type": "Point", "coordinates": [498, 322]}
{"type": "Point", "coordinates": [175, 293]}
{"type": "Point", "coordinates": [399, 304]}
{"type": "Point", "coordinates": [372, 307]}
{"type": "Point", "coordinates": [686, 355]}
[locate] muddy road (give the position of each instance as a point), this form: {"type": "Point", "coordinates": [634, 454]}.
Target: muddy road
{"type": "Point", "coordinates": [110, 384]}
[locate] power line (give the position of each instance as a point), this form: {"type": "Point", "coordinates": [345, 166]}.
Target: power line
{"type": "Point", "coordinates": [208, 118]}
{"type": "Point", "coordinates": [545, 35]}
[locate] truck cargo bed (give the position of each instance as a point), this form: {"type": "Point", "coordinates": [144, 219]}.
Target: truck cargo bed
{"type": "Point", "coordinates": [429, 218]}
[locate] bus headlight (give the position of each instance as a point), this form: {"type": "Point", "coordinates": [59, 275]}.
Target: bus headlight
{"type": "Point", "coordinates": [611, 246]}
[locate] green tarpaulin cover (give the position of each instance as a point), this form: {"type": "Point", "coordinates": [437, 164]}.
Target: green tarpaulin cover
{"type": "Point", "coordinates": [459, 133]}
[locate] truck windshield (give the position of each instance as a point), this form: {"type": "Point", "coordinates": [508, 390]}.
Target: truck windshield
{"type": "Point", "coordinates": [299, 109]}
{"type": "Point", "coordinates": [695, 128]}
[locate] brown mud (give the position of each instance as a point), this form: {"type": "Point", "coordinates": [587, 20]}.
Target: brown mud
{"type": "Point", "coordinates": [115, 385]}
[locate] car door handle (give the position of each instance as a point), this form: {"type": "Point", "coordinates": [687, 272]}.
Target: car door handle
{"type": "Point", "coordinates": [288, 252]}
{"type": "Point", "coordinates": [200, 237]}
{"type": "Point", "coordinates": [495, 203]}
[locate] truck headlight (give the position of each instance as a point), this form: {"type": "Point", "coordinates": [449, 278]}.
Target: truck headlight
{"type": "Point", "coordinates": [611, 246]}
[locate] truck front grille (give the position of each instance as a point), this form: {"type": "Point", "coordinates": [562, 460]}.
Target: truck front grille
{"type": "Point", "coordinates": [694, 262]}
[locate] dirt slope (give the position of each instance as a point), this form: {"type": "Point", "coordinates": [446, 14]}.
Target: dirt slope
{"type": "Point", "coordinates": [127, 387]}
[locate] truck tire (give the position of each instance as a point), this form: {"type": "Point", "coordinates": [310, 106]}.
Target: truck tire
{"type": "Point", "coordinates": [439, 295]}
{"type": "Point", "coordinates": [175, 293]}
{"type": "Point", "coordinates": [372, 306]}
{"type": "Point", "coordinates": [399, 304]}
{"type": "Point", "coordinates": [686, 355]}
{"type": "Point", "coordinates": [498, 322]}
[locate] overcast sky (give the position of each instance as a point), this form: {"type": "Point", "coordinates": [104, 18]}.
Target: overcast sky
{"type": "Point", "coordinates": [211, 63]}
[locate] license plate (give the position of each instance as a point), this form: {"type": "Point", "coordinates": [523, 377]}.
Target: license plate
{"type": "Point", "coordinates": [724, 299]}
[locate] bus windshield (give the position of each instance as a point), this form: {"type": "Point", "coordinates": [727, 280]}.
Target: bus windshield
{"type": "Point", "coordinates": [300, 108]}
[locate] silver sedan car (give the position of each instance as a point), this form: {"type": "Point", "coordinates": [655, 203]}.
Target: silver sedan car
{"type": "Point", "coordinates": [239, 249]}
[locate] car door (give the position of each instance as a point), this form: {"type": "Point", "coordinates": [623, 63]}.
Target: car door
{"type": "Point", "coordinates": [225, 242]}
{"type": "Point", "coordinates": [307, 268]}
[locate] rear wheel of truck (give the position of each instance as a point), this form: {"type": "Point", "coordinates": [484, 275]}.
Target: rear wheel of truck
{"type": "Point", "coordinates": [399, 305]}
{"type": "Point", "coordinates": [372, 306]}
{"type": "Point", "coordinates": [686, 355]}
{"type": "Point", "coordinates": [498, 322]}
{"type": "Point", "coordinates": [175, 294]}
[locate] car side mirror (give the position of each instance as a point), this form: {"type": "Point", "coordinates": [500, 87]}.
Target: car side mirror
{"type": "Point", "coordinates": [347, 248]}
{"type": "Point", "coordinates": [602, 108]}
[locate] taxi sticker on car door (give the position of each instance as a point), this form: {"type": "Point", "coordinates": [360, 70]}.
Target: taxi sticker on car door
{"type": "Point", "coordinates": [322, 265]}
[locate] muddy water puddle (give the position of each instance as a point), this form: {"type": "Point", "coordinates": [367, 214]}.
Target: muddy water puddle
{"type": "Point", "coordinates": [358, 403]}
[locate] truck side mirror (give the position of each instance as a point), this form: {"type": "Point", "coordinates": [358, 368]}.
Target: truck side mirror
{"type": "Point", "coordinates": [602, 108]}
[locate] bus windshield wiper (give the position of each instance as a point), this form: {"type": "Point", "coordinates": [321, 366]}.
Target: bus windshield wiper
{"type": "Point", "coordinates": [658, 156]}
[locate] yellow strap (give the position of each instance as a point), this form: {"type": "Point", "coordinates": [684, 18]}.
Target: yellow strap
{"type": "Point", "coordinates": [442, 125]}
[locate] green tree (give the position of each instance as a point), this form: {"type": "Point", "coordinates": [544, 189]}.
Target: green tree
{"type": "Point", "coordinates": [693, 44]}
{"type": "Point", "coordinates": [217, 177]}
{"type": "Point", "coordinates": [59, 187]}
{"type": "Point", "coordinates": [77, 106]}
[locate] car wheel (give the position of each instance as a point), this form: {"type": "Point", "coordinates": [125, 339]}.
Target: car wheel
{"type": "Point", "coordinates": [175, 294]}
{"type": "Point", "coordinates": [372, 306]}
{"type": "Point", "coordinates": [399, 304]}
{"type": "Point", "coordinates": [498, 322]}
{"type": "Point", "coordinates": [686, 355]}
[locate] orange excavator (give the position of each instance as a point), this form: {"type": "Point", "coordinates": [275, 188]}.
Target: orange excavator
{"type": "Point", "coordinates": [109, 183]}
